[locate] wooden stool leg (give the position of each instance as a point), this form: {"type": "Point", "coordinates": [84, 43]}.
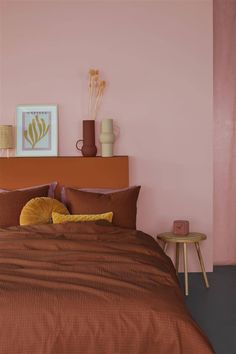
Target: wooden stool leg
{"type": "Point", "coordinates": [186, 268]}
{"type": "Point", "coordinates": [201, 263]}
{"type": "Point", "coordinates": [165, 246]}
{"type": "Point", "coordinates": [177, 258]}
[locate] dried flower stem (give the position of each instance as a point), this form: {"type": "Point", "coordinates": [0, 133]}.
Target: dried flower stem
{"type": "Point", "coordinates": [92, 72]}
{"type": "Point", "coordinates": [100, 90]}
{"type": "Point", "coordinates": [96, 89]}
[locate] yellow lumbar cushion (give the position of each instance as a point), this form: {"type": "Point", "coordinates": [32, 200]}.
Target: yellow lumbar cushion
{"type": "Point", "coordinates": [58, 218]}
{"type": "Point", "coordinates": [39, 211]}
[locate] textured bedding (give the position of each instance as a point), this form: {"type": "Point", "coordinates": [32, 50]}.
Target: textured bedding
{"type": "Point", "coordinates": [90, 289]}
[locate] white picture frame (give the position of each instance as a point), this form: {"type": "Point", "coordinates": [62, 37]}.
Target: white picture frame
{"type": "Point", "coordinates": [37, 130]}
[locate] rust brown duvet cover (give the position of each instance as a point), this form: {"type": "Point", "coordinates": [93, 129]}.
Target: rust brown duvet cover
{"type": "Point", "coordinates": [90, 289]}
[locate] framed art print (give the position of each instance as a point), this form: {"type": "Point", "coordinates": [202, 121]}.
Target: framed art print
{"type": "Point", "coordinates": [36, 130]}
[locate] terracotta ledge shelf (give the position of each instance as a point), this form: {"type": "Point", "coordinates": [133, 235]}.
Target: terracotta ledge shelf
{"type": "Point", "coordinates": [78, 171]}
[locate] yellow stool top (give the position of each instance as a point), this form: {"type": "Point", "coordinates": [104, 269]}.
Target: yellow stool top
{"type": "Point", "coordinates": [189, 238]}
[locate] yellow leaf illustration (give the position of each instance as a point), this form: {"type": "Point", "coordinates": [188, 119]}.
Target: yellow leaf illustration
{"type": "Point", "coordinates": [26, 137]}
{"type": "Point", "coordinates": [36, 131]}
{"type": "Point", "coordinates": [43, 124]}
{"type": "Point", "coordinates": [39, 126]}
{"type": "Point", "coordinates": [31, 134]}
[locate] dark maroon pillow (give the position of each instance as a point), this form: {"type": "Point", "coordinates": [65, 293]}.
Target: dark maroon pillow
{"type": "Point", "coordinates": [12, 202]}
{"type": "Point", "coordinates": [123, 204]}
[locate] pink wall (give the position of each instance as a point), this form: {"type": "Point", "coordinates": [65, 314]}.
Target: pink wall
{"type": "Point", "coordinates": [224, 132]}
{"type": "Point", "coordinates": [157, 58]}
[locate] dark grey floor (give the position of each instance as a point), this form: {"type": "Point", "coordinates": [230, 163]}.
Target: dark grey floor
{"type": "Point", "coordinates": [214, 309]}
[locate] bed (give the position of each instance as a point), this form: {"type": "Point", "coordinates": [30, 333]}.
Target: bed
{"type": "Point", "coordinates": [91, 288]}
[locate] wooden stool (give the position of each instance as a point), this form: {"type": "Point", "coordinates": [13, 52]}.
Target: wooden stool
{"type": "Point", "coordinates": [192, 237]}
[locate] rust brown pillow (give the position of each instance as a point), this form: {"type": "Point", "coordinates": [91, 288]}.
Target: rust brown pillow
{"type": "Point", "coordinates": [12, 202]}
{"type": "Point", "coordinates": [123, 204]}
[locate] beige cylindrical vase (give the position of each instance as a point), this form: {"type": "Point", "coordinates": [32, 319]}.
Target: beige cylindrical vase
{"type": "Point", "coordinates": [107, 138]}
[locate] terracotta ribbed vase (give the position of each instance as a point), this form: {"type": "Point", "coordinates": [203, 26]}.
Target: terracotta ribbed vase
{"type": "Point", "coordinates": [88, 148]}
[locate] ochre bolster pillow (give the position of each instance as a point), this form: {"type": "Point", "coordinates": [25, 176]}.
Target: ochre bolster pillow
{"type": "Point", "coordinates": [60, 218]}
{"type": "Point", "coordinates": [39, 211]}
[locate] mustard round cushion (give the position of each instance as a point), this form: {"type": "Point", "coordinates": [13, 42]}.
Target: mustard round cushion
{"type": "Point", "coordinates": [39, 211]}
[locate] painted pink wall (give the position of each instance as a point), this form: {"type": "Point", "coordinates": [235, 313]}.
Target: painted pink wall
{"type": "Point", "coordinates": [157, 59]}
{"type": "Point", "coordinates": [224, 132]}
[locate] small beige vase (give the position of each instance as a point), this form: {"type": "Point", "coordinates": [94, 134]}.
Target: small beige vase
{"type": "Point", "coordinates": [107, 137]}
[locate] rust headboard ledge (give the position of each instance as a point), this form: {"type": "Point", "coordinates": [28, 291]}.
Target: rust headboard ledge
{"type": "Point", "coordinates": [90, 172]}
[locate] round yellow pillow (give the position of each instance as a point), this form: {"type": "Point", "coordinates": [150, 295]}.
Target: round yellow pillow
{"type": "Point", "coordinates": [39, 211]}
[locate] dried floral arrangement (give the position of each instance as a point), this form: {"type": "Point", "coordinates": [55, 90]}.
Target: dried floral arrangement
{"type": "Point", "coordinates": [96, 88]}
